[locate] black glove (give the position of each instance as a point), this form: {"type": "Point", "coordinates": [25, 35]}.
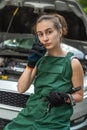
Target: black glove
{"type": "Point", "coordinates": [37, 51]}
{"type": "Point", "coordinates": [57, 99]}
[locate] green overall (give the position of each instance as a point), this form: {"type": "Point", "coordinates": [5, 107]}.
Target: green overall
{"type": "Point", "coordinates": [53, 74]}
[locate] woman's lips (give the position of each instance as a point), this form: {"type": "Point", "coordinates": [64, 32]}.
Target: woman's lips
{"type": "Point", "coordinates": [47, 44]}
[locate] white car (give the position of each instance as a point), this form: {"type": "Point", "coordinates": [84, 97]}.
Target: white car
{"type": "Point", "coordinates": [16, 38]}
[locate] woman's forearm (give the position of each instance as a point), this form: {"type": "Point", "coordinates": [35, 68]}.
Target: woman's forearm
{"type": "Point", "coordinates": [25, 80]}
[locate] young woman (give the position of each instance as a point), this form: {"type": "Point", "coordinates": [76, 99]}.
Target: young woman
{"type": "Point", "coordinates": [54, 75]}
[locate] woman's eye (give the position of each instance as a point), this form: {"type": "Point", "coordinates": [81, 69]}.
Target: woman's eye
{"type": "Point", "coordinates": [49, 32]}
{"type": "Point", "coordinates": [40, 34]}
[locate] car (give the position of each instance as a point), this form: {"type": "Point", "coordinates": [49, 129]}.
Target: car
{"type": "Point", "coordinates": [16, 38]}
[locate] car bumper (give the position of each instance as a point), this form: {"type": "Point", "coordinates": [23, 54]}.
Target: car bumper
{"type": "Point", "coordinates": [79, 117]}
{"type": "Point", "coordinates": [8, 112]}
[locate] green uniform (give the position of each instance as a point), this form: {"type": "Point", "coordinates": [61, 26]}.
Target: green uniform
{"type": "Point", "coordinates": [53, 74]}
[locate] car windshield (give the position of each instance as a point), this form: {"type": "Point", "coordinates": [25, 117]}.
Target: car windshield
{"type": "Point", "coordinates": [18, 43]}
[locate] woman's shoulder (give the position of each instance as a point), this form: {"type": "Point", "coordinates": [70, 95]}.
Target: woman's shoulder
{"type": "Point", "coordinates": [76, 65]}
{"type": "Point", "coordinates": [74, 60]}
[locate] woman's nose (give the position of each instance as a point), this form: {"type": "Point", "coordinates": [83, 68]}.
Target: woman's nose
{"type": "Point", "coordinates": [45, 38]}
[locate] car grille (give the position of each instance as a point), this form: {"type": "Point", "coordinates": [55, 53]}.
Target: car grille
{"type": "Point", "coordinates": [13, 99]}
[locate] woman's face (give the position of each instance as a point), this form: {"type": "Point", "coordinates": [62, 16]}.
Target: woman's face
{"type": "Point", "coordinates": [48, 35]}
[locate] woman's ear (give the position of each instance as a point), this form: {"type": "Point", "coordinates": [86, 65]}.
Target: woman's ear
{"type": "Point", "coordinates": [61, 32]}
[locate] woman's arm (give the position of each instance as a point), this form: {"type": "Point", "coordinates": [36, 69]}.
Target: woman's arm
{"type": "Point", "coordinates": [77, 79]}
{"type": "Point", "coordinates": [26, 79]}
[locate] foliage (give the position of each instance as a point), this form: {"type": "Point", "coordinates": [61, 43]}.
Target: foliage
{"type": "Point", "coordinates": [83, 4]}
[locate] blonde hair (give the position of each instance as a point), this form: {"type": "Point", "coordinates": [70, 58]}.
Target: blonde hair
{"type": "Point", "coordinates": [58, 20]}
{"type": "Point", "coordinates": [54, 19]}
{"type": "Point", "coordinates": [63, 23]}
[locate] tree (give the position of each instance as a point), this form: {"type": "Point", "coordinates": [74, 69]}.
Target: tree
{"type": "Point", "coordinates": [84, 4]}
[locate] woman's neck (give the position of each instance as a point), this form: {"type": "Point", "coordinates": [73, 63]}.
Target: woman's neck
{"type": "Point", "coordinates": [56, 52]}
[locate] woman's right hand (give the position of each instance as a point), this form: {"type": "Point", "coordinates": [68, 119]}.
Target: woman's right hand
{"type": "Point", "coordinates": [37, 51]}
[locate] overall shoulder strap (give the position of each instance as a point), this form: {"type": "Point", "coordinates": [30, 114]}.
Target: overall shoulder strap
{"type": "Point", "coordinates": [71, 55]}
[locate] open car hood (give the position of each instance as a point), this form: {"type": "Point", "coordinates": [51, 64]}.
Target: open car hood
{"type": "Point", "coordinates": [28, 12]}
{"type": "Point", "coordinates": [40, 5]}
